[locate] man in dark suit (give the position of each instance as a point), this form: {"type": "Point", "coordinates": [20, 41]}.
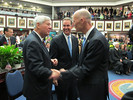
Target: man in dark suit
{"type": "Point", "coordinates": [37, 78]}
{"type": "Point", "coordinates": [91, 71]}
{"type": "Point", "coordinates": [67, 54]}
{"type": "Point", "coordinates": [116, 58]}
{"type": "Point", "coordinates": [7, 38]}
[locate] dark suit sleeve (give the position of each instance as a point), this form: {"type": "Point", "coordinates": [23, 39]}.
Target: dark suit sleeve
{"type": "Point", "coordinates": [92, 58]}
{"type": "Point", "coordinates": [53, 49]}
{"type": "Point", "coordinates": [54, 53]}
{"type": "Point", "coordinates": [35, 60]}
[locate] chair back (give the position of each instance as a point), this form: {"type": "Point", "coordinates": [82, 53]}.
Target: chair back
{"type": "Point", "coordinates": [14, 83]}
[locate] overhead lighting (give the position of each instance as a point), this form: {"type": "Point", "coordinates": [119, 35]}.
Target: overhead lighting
{"type": "Point", "coordinates": [20, 6]}
{"type": "Point", "coordinates": [10, 2]}
{"type": "Point", "coordinates": [5, 3]}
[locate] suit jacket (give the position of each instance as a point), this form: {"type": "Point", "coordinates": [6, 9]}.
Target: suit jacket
{"type": "Point", "coordinates": [37, 68]}
{"type": "Point", "coordinates": [3, 40]}
{"type": "Point", "coordinates": [91, 70]}
{"type": "Point", "coordinates": [59, 49]}
{"type": "Point", "coordinates": [115, 55]}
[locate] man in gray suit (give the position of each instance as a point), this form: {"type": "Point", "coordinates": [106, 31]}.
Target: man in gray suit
{"type": "Point", "coordinates": [91, 70]}
{"type": "Point", "coordinates": [38, 73]}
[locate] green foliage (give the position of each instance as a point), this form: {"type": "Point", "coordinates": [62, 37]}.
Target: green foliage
{"type": "Point", "coordinates": [111, 46]}
{"type": "Point", "coordinates": [129, 47]}
{"type": "Point", "coordinates": [11, 55]}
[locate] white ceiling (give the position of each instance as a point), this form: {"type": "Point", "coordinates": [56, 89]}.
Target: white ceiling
{"type": "Point", "coordinates": [80, 2]}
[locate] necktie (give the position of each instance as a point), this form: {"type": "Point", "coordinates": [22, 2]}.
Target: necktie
{"type": "Point", "coordinates": [69, 46]}
{"type": "Point", "coordinates": [43, 43]}
{"type": "Point", "coordinates": [9, 42]}
{"type": "Point", "coordinates": [83, 43]}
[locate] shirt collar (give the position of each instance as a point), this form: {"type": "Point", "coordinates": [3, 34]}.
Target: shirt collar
{"type": "Point", "coordinates": [42, 39]}
{"type": "Point", "coordinates": [116, 48]}
{"type": "Point", "coordinates": [7, 37]}
{"type": "Point", "coordinates": [88, 32]}
{"type": "Point", "coordinates": [66, 36]}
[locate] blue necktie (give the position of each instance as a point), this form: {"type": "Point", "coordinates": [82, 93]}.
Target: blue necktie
{"type": "Point", "coordinates": [83, 43]}
{"type": "Point", "coordinates": [70, 46]}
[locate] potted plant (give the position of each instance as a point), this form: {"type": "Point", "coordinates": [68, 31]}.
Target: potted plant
{"type": "Point", "coordinates": [18, 59]}
{"type": "Point", "coordinates": [9, 55]}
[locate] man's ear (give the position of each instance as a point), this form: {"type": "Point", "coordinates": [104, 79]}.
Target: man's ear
{"type": "Point", "coordinates": [82, 20]}
{"type": "Point", "coordinates": [37, 25]}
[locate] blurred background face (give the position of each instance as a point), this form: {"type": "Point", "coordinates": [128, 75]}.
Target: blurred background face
{"type": "Point", "coordinates": [122, 47]}
{"type": "Point", "coordinates": [67, 27]}
{"type": "Point", "coordinates": [117, 46]}
{"type": "Point", "coordinates": [44, 28]}
{"type": "Point", "coordinates": [1, 32]}
{"type": "Point", "coordinates": [9, 33]}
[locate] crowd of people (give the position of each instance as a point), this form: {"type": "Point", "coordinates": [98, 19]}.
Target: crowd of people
{"type": "Point", "coordinates": [103, 13]}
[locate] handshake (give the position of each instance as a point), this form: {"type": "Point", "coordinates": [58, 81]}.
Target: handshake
{"type": "Point", "coordinates": [56, 73]}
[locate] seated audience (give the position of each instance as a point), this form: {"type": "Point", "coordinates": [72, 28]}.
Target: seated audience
{"type": "Point", "coordinates": [126, 61]}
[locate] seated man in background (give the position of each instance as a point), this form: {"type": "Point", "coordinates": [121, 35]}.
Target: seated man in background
{"type": "Point", "coordinates": [116, 58]}
{"type": "Point", "coordinates": [119, 62]}
{"type": "Point", "coordinates": [7, 38]}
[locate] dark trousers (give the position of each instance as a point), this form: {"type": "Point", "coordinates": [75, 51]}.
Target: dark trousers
{"type": "Point", "coordinates": [118, 66]}
{"type": "Point", "coordinates": [93, 92]}
{"type": "Point", "coordinates": [42, 96]}
{"type": "Point", "coordinates": [66, 89]}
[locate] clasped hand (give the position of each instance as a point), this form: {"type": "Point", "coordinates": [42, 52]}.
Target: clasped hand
{"type": "Point", "coordinates": [56, 73]}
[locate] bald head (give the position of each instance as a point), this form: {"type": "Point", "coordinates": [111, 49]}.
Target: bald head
{"type": "Point", "coordinates": [82, 13]}
{"type": "Point", "coordinates": [82, 20]}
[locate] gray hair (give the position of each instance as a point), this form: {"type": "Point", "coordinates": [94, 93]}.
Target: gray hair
{"type": "Point", "coordinates": [67, 18]}
{"type": "Point", "coordinates": [40, 19]}
{"type": "Point", "coordinates": [83, 13]}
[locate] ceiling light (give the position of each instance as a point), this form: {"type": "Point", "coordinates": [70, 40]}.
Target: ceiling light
{"type": "Point", "coordinates": [20, 6]}
{"type": "Point", "coordinates": [6, 3]}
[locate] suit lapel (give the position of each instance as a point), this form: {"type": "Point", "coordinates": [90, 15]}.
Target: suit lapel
{"type": "Point", "coordinates": [87, 42]}
{"type": "Point", "coordinates": [89, 38]}
{"type": "Point", "coordinates": [73, 46]}
{"type": "Point", "coordinates": [41, 44]}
